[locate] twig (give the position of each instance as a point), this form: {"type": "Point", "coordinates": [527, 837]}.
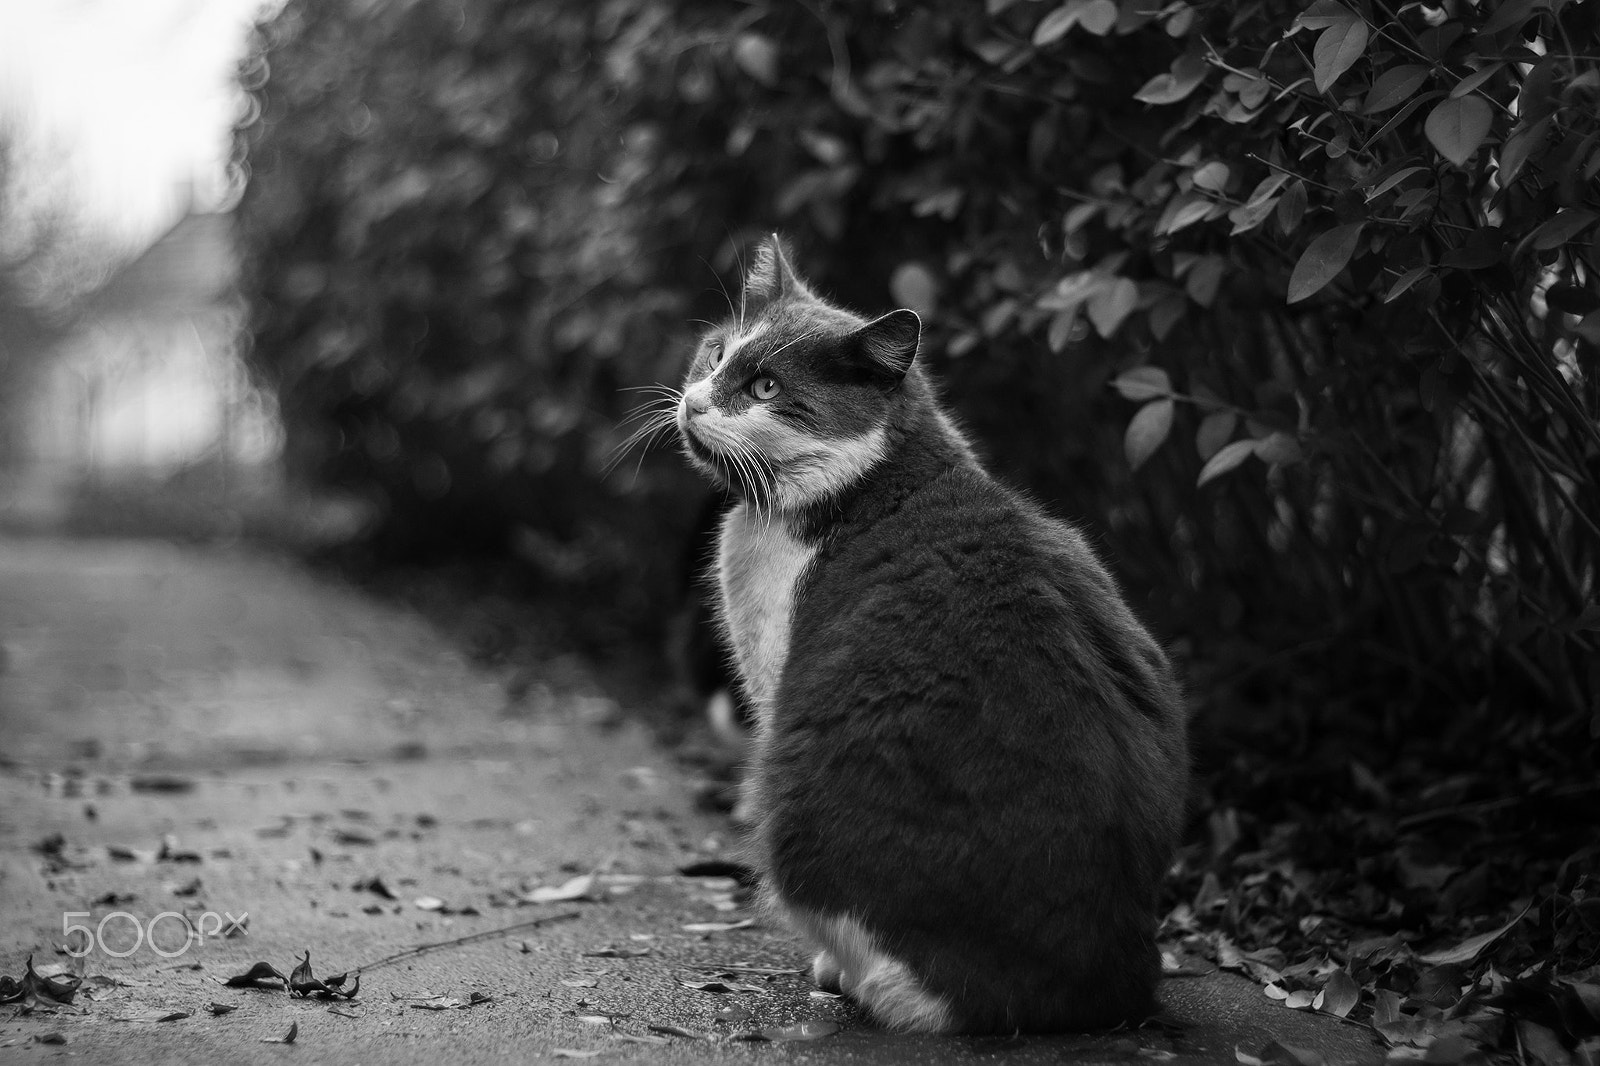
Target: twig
{"type": "Point", "coordinates": [1487, 806]}
{"type": "Point", "coordinates": [485, 935]}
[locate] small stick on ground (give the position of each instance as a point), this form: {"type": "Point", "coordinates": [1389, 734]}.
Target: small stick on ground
{"type": "Point", "coordinates": [473, 938]}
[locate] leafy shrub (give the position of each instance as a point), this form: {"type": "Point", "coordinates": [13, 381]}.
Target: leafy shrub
{"type": "Point", "coordinates": [1337, 265]}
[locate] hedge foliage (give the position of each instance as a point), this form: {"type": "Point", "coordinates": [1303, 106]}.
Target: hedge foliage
{"type": "Point", "coordinates": [1296, 305]}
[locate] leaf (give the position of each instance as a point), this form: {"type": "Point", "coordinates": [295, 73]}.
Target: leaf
{"type": "Point", "coordinates": [1292, 207]}
{"type": "Point", "coordinates": [757, 56]}
{"type": "Point", "coordinates": [156, 1016]}
{"type": "Point", "coordinates": [1056, 25]}
{"type": "Point", "coordinates": [1320, 15]}
{"type": "Point", "coordinates": [1471, 947]}
{"type": "Point", "coordinates": [1204, 278]}
{"type": "Point", "coordinates": [1509, 15]}
{"type": "Point", "coordinates": [1099, 17]}
{"type": "Point", "coordinates": [221, 1008]}
{"type": "Point", "coordinates": [1147, 430]}
{"type": "Point", "coordinates": [1225, 460]}
{"type": "Point", "coordinates": [1337, 50]}
{"type": "Point", "coordinates": [1520, 145]}
{"type": "Point", "coordinates": [1215, 429]}
{"type": "Point", "coordinates": [286, 1038]}
{"type": "Point", "coordinates": [1339, 995]}
{"type": "Point", "coordinates": [720, 987]}
{"type": "Point", "coordinates": [913, 285]}
{"type": "Point", "coordinates": [676, 1030]}
{"type": "Point", "coordinates": [1323, 259]}
{"type": "Point", "coordinates": [1394, 87]}
{"type": "Point", "coordinates": [1392, 180]}
{"type": "Point", "coordinates": [580, 887]}
{"type": "Point", "coordinates": [1108, 308]}
{"type": "Point", "coordinates": [1456, 127]}
{"type": "Point", "coordinates": [1475, 79]}
{"type": "Point", "coordinates": [1408, 279]}
{"type": "Point", "coordinates": [1213, 176]}
{"type": "Point", "coordinates": [718, 927]}
{"type": "Point", "coordinates": [612, 952]}
{"type": "Point", "coordinates": [1568, 223]}
{"type": "Point", "coordinates": [46, 989]}
{"type": "Point", "coordinates": [1187, 72]}
{"type": "Point", "coordinates": [574, 1053]}
{"type": "Point", "coordinates": [1142, 383]}
{"type": "Point", "coordinates": [255, 977]}
{"type": "Point", "coordinates": [1279, 449]}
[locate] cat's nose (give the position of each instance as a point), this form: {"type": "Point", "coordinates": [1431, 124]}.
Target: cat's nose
{"type": "Point", "coordinates": [697, 405]}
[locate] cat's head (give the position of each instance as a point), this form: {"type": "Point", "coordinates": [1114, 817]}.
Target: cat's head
{"type": "Point", "coordinates": [789, 401]}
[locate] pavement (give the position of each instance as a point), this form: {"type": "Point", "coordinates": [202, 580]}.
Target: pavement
{"type": "Point", "coordinates": [197, 742]}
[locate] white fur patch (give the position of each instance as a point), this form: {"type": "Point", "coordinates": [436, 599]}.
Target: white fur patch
{"type": "Point", "coordinates": [811, 468]}
{"type": "Point", "coordinates": [759, 565]}
{"type": "Point", "coordinates": [733, 344]}
{"type": "Point", "coordinates": [882, 984]}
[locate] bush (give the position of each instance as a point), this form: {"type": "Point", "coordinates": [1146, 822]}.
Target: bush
{"type": "Point", "coordinates": [1336, 264]}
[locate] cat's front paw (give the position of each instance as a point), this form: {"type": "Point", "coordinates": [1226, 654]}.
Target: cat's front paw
{"type": "Point", "coordinates": [827, 975]}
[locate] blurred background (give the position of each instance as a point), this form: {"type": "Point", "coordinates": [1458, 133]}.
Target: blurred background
{"type": "Point", "coordinates": [1300, 324]}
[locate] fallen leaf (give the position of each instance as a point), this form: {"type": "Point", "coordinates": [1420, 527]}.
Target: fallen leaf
{"type": "Point", "coordinates": [374, 885]}
{"type": "Point", "coordinates": [220, 1008]}
{"type": "Point", "coordinates": [617, 953]}
{"type": "Point", "coordinates": [49, 1038]}
{"type": "Point", "coordinates": [718, 927]}
{"type": "Point", "coordinates": [720, 987]}
{"type": "Point", "coordinates": [1471, 947]}
{"type": "Point", "coordinates": [577, 888]}
{"type": "Point", "coordinates": [155, 1016]}
{"type": "Point", "coordinates": [286, 1038]}
{"type": "Point", "coordinates": [639, 1038]}
{"type": "Point", "coordinates": [573, 1053]}
{"type": "Point", "coordinates": [1339, 995]}
{"type": "Point", "coordinates": [302, 982]}
{"type": "Point", "coordinates": [676, 1030]}
{"type": "Point", "coordinates": [167, 784]}
{"type": "Point", "coordinates": [41, 990]}
{"type": "Point", "coordinates": [429, 903]}
{"type": "Point", "coordinates": [255, 977]}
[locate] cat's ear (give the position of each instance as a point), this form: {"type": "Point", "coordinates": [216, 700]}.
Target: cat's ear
{"type": "Point", "coordinates": [771, 276]}
{"type": "Point", "coordinates": [890, 343]}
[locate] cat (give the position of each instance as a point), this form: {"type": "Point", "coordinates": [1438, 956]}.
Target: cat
{"type": "Point", "coordinates": [971, 759]}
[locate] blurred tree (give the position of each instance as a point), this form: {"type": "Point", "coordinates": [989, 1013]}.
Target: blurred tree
{"type": "Point", "coordinates": [1337, 264]}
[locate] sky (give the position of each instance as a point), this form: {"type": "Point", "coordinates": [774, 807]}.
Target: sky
{"type": "Point", "coordinates": [124, 105]}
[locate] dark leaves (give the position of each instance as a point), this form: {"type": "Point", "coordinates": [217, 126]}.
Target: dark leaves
{"type": "Point", "coordinates": [302, 982]}
{"type": "Point", "coordinates": [37, 991]}
{"type": "Point", "coordinates": [286, 1038]}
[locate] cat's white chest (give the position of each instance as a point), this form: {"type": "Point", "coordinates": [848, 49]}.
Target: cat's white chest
{"type": "Point", "coordinates": [760, 566]}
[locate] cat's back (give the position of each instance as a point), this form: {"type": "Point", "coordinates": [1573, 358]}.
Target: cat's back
{"type": "Point", "coordinates": [963, 666]}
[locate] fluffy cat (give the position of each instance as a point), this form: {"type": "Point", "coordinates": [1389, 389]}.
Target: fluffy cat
{"type": "Point", "coordinates": [971, 759]}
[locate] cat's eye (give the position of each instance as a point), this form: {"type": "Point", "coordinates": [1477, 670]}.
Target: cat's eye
{"type": "Point", "coordinates": [764, 388]}
{"type": "Point", "coordinates": [715, 350]}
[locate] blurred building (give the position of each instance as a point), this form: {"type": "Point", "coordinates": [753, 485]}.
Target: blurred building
{"type": "Point", "coordinates": [147, 383]}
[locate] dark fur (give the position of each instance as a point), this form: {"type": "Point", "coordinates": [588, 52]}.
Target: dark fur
{"type": "Point", "coordinates": [976, 750]}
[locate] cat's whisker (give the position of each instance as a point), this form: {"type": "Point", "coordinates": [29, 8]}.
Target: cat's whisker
{"type": "Point", "coordinates": [788, 344]}
{"type": "Point", "coordinates": [658, 418]}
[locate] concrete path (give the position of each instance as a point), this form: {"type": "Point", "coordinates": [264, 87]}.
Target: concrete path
{"type": "Point", "coordinates": [196, 736]}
